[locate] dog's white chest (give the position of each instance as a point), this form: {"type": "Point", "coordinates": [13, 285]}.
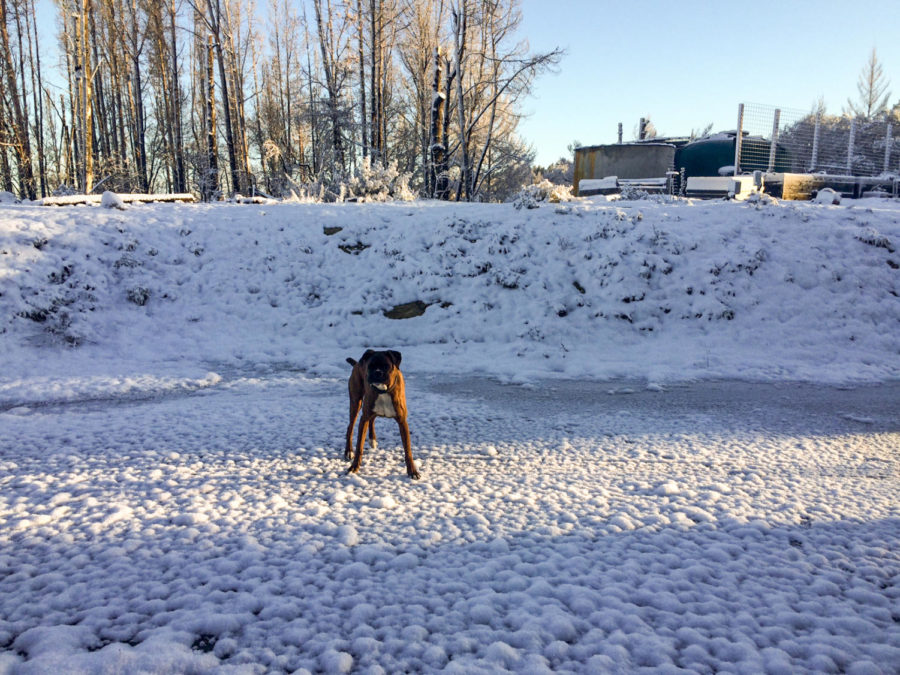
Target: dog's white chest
{"type": "Point", "coordinates": [384, 406]}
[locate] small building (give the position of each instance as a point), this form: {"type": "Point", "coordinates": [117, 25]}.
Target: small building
{"type": "Point", "coordinates": [623, 160]}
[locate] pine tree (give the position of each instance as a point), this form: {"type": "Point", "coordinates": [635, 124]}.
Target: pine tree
{"type": "Point", "coordinates": [872, 88]}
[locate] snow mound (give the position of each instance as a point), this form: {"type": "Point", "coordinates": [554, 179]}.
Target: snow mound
{"type": "Point", "coordinates": [110, 200]}
{"type": "Point", "coordinates": [828, 196]}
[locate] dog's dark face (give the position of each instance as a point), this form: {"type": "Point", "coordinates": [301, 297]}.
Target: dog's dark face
{"type": "Point", "coordinates": [382, 369]}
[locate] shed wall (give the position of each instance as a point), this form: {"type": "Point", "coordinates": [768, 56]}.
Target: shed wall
{"type": "Point", "coordinates": [623, 161]}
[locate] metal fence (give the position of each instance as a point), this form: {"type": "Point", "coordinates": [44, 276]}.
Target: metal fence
{"type": "Point", "coordinates": [785, 140]}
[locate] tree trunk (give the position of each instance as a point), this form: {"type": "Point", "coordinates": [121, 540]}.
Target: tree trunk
{"type": "Point", "coordinates": [459, 32]}
{"type": "Point", "coordinates": [326, 37]}
{"type": "Point", "coordinates": [362, 79]}
{"type": "Point", "coordinates": [242, 150]}
{"type": "Point", "coordinates": [436, 148]}
{"type": "Point", "coordinates": [180, 182]}
{"type": "Point", "coordinates": [139, 141]}
{"type": "Point", "coordinates": [37, 88]}
{"type": "Point", "coordinates": [87, 109]}
{"type": "Point", "coordinates": [212, 178]}
{"type": "Point", "coordinates": [5, 173]}
{"type": "Point", "coordinates": [375, 21]}
{"type": "Point", "coordinates": [226, 101]}
{"type": "Point", "coordinates": [442, 186]}
{"type": "Point", "coordinates": [102, 118]}
{"type": "Point", "coordinates": [19, 123]}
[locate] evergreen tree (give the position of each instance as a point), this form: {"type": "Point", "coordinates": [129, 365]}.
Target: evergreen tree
{"type": "Point", "coordinates": [872, 88]}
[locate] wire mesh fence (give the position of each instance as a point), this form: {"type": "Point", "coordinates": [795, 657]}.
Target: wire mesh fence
{"type": "Point", "coordinates": [794, 141]}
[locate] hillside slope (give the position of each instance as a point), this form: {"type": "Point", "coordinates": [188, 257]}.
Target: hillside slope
{"type": "Point", "coordinates": [660, 290]}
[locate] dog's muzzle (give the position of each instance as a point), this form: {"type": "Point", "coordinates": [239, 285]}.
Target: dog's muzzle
{"type": "Point", "coordinates": [380, 387]}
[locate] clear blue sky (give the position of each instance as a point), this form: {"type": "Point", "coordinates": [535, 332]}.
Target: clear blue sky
{"type": "Point", "coordinates": [686, 63]}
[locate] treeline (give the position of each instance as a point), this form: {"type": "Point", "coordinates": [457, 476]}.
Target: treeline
{"type": "Point", "coordinates": [222, 96]}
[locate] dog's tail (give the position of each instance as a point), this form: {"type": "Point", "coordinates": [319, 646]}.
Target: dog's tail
{"type": "Point", "coordinates": [352, 362]}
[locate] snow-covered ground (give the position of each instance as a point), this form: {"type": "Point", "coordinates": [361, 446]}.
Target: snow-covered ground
{"type": "Point", "coordinates": [173, 402]}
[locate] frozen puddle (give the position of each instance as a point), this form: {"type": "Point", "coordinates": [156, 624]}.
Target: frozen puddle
{"type": "Point", "coordinates": [561, 527]}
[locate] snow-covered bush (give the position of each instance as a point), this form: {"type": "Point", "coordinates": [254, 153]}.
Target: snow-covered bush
{"type": "Point", "coordinates": [375, 182]}
{"type": "Point", "coordinates": [139, 295]}
{"type": "Point", "coordinates": [632, 193]}
{"type": "Point", "coordinates": [532, 196]}
{"type": "Point", "coordinates": [65, 191]}
{"type": "Point", "coordinates": [61, 306]}
{"type": "Point", "coordinates": [759, 199]}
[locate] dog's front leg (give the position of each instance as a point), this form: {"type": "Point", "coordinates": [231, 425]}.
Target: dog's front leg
{"type": "Point", "coordinates": [364, 423]}
{"type": "Point", "coordinates": [407, 449]}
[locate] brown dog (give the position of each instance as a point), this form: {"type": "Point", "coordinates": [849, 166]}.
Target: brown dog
{"type": "Point", "coordinates": [376, 385]}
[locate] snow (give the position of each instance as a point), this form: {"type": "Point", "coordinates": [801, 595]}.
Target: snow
{"type": "Point", "coordinates": [828, 196]}
{"type": "Point", "coordinates": [110, 200]}
{"type": "Point", "coordinates": [671, 290]}
{"type": "Point", "coordinates": [655, 435]}
{"type": "Point", "coordinates": [608, 183]}
{"type": "Point", "coordinates": [114, 200]}
{"type": "Point", "coordinates": [724, 183]}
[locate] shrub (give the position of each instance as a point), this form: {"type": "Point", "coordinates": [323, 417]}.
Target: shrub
{"type": "Point", "coordinates": [375, 182]}
{"type": "Point", "coordinates": [533, 195]}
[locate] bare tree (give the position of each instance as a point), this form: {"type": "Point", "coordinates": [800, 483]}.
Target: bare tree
{"type": "Point", "coordinates": [492, 76]}
{"type": "Point", "coordinates": [360, 40]}
{"type": "Point", "coordinates": [421, 111]}
{"type": "Point", "coordinates": [216, 21]}
{"type": "Point", "coordinates": [15, 100]}
{"type": "Point", "coordinates": [37, 89]}
{"type": "Point", "coordinates": [331, 30]}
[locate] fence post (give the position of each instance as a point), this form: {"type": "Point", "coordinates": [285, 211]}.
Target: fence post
{"type": "Point", "coordinates": [773, 146]}
{"type": "Point", "coordinates": [738, 138]}
{"type": "Point", "coordinates": [887, 147]}
{"type": "Point", "coordinates": [850, 146]}
{"type": "Point", "coordinates": [815, 149]}
{"type": "Point", "coordinates": [620, 133]}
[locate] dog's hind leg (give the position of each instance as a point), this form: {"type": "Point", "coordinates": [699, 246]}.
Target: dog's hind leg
{"type": "Point", "coordinates": [354, 411]}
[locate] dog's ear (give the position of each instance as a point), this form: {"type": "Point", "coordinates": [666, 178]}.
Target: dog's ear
{"type": "Point", "coordinates": [368, 353]}
{"type": "Point", "coordinates": [396, 357]}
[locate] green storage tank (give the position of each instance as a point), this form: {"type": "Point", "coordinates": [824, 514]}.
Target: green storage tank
{"type": "Point", "coordinates": [706, 156]}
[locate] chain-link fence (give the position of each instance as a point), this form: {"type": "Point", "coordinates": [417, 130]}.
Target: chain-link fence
{"type": "Point", "coordinates": [793, 141]}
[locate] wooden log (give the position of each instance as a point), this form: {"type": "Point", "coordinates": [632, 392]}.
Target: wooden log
{"type": "Point", "coordinates": [71, 200]}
